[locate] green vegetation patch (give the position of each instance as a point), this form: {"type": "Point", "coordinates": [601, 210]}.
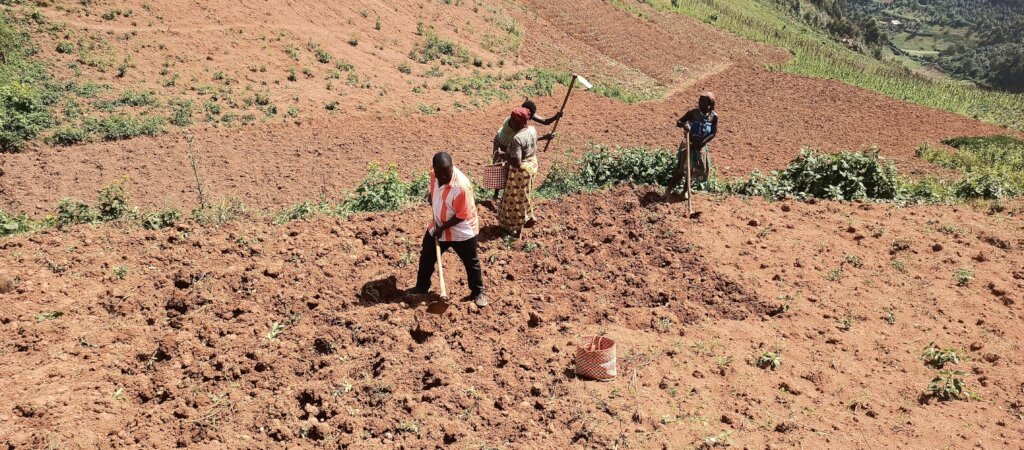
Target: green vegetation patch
{"type": "Point", "coordinates": [435, 48]}
{"type": "Point", "coordinates": [992, 166]}
{"type": "Point", "coordinates": [545, 80]}
{"type": "Point", "coordinates": [26, 90]}
{"type": "Point", "coordinates": [843, 176]}
{"type": "Point", "coordinates": [816, 54]}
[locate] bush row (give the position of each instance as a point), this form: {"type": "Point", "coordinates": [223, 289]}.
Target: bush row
{"type": "Point", "coordinates": [111, 205]}
{"type": "Point", "coordinates": [992, 169]}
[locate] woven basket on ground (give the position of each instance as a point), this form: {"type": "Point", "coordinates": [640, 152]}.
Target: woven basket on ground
{"type": "Point", "coordinates": [595, 358]}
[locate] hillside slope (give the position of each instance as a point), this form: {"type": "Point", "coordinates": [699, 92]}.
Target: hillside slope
{"type": "Point", "coordinates": [766, 117]}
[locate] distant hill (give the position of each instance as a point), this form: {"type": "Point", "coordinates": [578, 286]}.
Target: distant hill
{"type": "Point", "coordinates": [978, 40]}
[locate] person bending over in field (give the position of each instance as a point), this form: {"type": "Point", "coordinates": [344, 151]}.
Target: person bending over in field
{"type": "Point", "coordinates": [701, 126]}
{"type": "Point", "coordinates": [455, 225]}
{"type": "Point", "coordinates": [505, 134]}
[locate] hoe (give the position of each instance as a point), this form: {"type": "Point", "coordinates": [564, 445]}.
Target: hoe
{"type": "Point", "coordinates": [572, 82]}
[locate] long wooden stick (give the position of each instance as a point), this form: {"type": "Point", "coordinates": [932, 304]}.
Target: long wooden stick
{"type": "Point", "coordinates": [440, 267]}
{"type": "Point", "coordinates": [572, 82]}
{"type": "Point", "coordinates": [689, 190]}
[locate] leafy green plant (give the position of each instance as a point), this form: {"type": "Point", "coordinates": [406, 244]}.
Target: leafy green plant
{"type": "Point", "coordinates": [68, 135]}
{"type": "Point", "coordinates": [949, 385]}
{"type": "Point", "coordinates": [136, 98]}
{"type": "Point", "coordinates": [835, 275]}
{"type": "Point", "coordinates": [854, 261]}
{"type": "Point", "coordinates": [113, 201]}
{"type": "Point", "coordinates": [11, 224]}
{"type": "Point", "coordinates": [158, 220]}
{"type": "Point", "coordinates": [769, 360]}
{"type": "Point", "coordinates": [119, 272]}
{"type": "Point", "coordinates": [323, 56]}
{"type": "Point", "coordinates": [182, 112]}
{"type": "Point", "coordinates": [385, 191]}
{"type": "Point", "coordinates": [120, 126]}
{"type": "Point", "coordinates": [70, 212]}
{"type": "Point", "coordinates": [938, 357]}
{"type": "Point", "coordinates": [435, 48]}
{"type": "Point", "coordinates": [963, 276]}
{"type": "Point", "coordinates": [275, 330]}
{"type": "Point", "coordinates": [65, 47]}
{"type": "Point", "coordinates": [301, 211]}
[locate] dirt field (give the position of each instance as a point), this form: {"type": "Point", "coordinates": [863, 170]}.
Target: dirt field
{"type": "Point", "coordinates": [251, 335]}
{"type": "Point", "coordinates": [177, 352]}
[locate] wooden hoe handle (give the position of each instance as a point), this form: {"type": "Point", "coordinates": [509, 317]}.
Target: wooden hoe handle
{"type": "Point", "coordinates": [572, 82]}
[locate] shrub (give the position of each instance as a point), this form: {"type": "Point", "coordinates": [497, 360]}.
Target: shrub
{"type": "Point", "coordinates": [769, 186]}
{"type": "Point", "coordinates": [70, 212]}
{"type": "Point", "coordinates": [561, 180]}
{"type": "Point", "coordinates": [302, 211]}
{"type": "Point", "coordinates": [323, 56]}
{"type": "Point", "coordinates": [606, 167]}
{"type": "Point", "coordinates": [122, 126]}
{"type": "Point", "coordinates": [842, 176]}
{"type": "Point", "coordinates": [65, 47]}
{"type": "Point", "coordinates": [404, 68]}
{"type": "Point", "coordinates": [113, 201]}
{"type": "Point", "coordinates": [261, 98]}
{"type": "Point", "coordinates": [227, 210]}
{"type": "Point", "coordinates": [136, 98]}
{"type": "Point", "coordinates": [385, 191]}
{"type": "Point", "coordinates": [769, 360]}
{"type": "Point", "coordinates": [963, 276]}
{"type": "Point", "coordinates": [161, 219]}
{"type": "Point", "coordinates": [182, 109]}
{"type": "Point", "coordinates": [69, 135]}
{"type": "Point", "coordinates": [434, 48]}
{"type": "Point", "coordinates": [11, 224]}
{"type": "Point", "coordinates": [24, 113]}
{"type": "Point", "coordinates": [990, 184]}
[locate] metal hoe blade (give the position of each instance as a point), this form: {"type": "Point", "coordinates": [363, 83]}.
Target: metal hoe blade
{"type": "Point", "coordinates": [583, 81]}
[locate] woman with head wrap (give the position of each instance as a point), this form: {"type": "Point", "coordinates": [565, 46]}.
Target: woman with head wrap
{"type": "Point", "coordinates": [701, 125]}
{"type": "Point", "coordinates": [504, 136]}
{"type": "Point", "coordinates": [521, 156]}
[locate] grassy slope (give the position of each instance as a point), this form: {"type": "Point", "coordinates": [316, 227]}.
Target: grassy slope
{"type": "Point", "coordinates": [817, 55]}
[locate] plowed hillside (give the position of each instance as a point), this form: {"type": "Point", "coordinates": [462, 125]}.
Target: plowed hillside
{"type": "Point", "coordinates": [766, 117]}
{"type": "Point", "coordinates": [180, 349]}
{"type": "Point", "coordinates": [755, 325]}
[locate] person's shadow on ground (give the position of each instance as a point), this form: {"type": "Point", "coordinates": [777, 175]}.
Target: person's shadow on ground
{"type": "Point", "coordinates": [385, 290]}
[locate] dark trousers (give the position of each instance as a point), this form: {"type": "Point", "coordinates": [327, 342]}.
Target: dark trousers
{"type": "Point", "coordinates": [467, 251]}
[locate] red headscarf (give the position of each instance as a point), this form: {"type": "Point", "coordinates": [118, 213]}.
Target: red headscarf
{"type": "Point", "coordinates": [519, 118]}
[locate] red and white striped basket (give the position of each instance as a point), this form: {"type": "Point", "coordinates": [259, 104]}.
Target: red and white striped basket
{"type": "Point", "coordinates": [595, 358]}
{"type": "Point", "coordinates": [495, 176]}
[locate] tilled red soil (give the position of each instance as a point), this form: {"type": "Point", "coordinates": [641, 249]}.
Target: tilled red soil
{"type": "Point", "coordinates": [177, 350]}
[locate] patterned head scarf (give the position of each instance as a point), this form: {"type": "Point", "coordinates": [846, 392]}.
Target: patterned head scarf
{"type": "Point", "coordinates": [520, 117]}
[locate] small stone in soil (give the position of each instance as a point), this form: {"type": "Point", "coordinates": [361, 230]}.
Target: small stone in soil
{"type": "Point", "coordinates": [6, 284]}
